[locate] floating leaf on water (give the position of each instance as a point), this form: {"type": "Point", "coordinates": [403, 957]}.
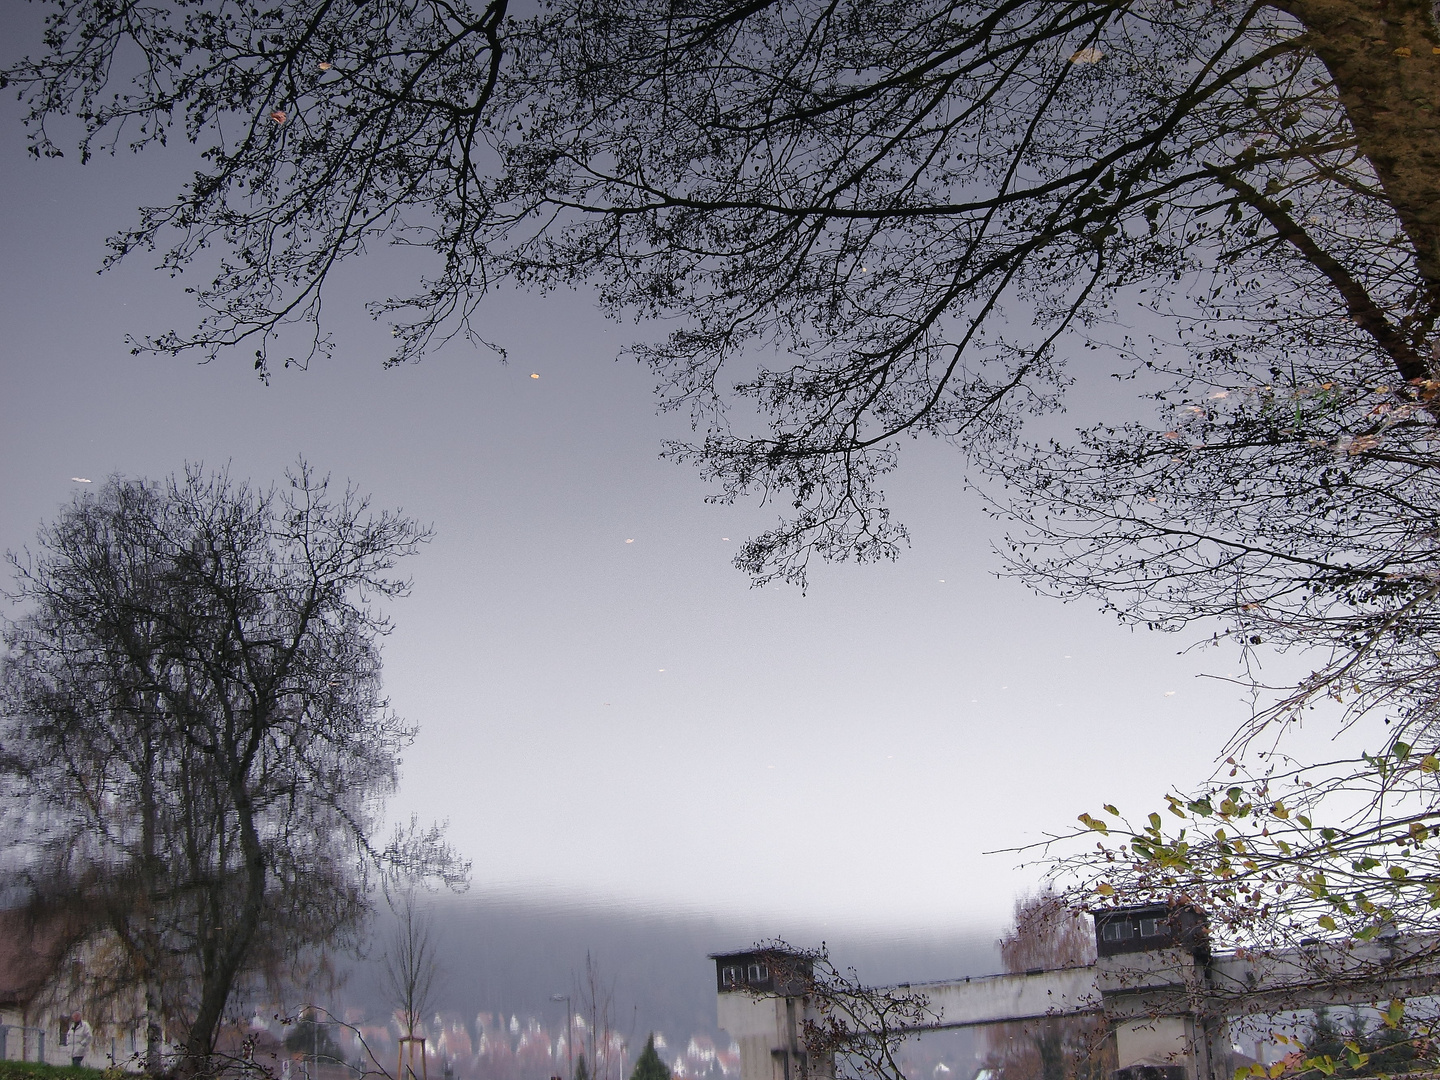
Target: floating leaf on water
{"type": "Point", "coordinates": [1361, 443]}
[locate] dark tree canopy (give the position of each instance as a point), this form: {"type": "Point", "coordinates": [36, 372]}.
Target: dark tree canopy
{"type": "Point", "coordinates": [921, 207]}
{"type": "Point", "coordinates": [196, 750]}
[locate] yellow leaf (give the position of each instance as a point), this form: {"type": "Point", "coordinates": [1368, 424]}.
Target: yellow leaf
{"type": "Point", "coordinates": [1326, 921]}
{"type": "Point", "coordinates": [1403, 50]}
{"type": "Point", "coordinates": [1395, 1013]}
{"type": "Point", "coordinates": [1430, 763]}
{"type": "Point", "coordinates": [1105, 889]}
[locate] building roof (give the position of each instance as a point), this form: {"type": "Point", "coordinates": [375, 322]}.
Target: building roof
{"type": "Point", "coordinates": [31, 945]}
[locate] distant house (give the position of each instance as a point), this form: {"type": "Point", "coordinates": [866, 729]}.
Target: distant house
{"type": "Point", "coordinates": [32, 951]}
{"type": "Point", "coordinates": [43, 958]}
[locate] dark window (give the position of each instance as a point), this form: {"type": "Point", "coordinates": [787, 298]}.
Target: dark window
{"type": "Point", "coordinates": [1150, 928]}
{"type": "Point", "coordinates": [1118, 931]}
{"type": "Point", "coordinates": [731, 976]}
{"type": "Point", "coordinates": [759, 973]}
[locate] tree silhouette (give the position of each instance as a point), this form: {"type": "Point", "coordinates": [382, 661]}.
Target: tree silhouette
{"type": "Point", "coordinates": [648, 1065]}
{"type": "Point", "coordinates": [194, 734]}
{"type": "Point", "coordinates": [1047, 934]}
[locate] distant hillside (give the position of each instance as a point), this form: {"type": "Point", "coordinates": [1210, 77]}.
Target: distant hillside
{"type": "Point", "coordinates": [508, 956]}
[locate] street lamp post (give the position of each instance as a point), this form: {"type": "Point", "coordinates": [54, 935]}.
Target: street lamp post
{"type": "Point", "coordinates": [569, 1036]}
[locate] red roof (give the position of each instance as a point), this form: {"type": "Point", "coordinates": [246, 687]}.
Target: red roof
{"type": "Point", "coordinates": [30, 947]}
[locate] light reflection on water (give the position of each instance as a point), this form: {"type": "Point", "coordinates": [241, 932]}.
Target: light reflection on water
{"type": "Point", "coordinates": [511, 952]}
{"type": "Point", "coordinates": [885, 952]}
{"type": "Point", "coordinates": [519, 948]}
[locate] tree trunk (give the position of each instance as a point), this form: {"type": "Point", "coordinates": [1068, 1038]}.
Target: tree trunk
{"type": "Point", "coordinates": [154, 1058]}
{"type": "Point", "coordinates": [218, 978]}
{"type": "Point", "coordinates": [1384, 56]}
{"type": "Point", "coordinates": [149, 936]}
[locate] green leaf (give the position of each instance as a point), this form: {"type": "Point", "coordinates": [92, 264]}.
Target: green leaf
{"type": "Point", "coordinates": [1394, 1014]}
{"type": "Point", "coordinates": [1326, 921]}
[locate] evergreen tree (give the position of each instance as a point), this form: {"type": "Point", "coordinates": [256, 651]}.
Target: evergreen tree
{"type": "Point", "coordinates": [649, 1066]}
{"type": "Point", "coordinates": [1381, 1051]}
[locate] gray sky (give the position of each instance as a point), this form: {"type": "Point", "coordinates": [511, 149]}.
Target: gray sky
{"type": "Point", "coordinates": [618, 721]}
